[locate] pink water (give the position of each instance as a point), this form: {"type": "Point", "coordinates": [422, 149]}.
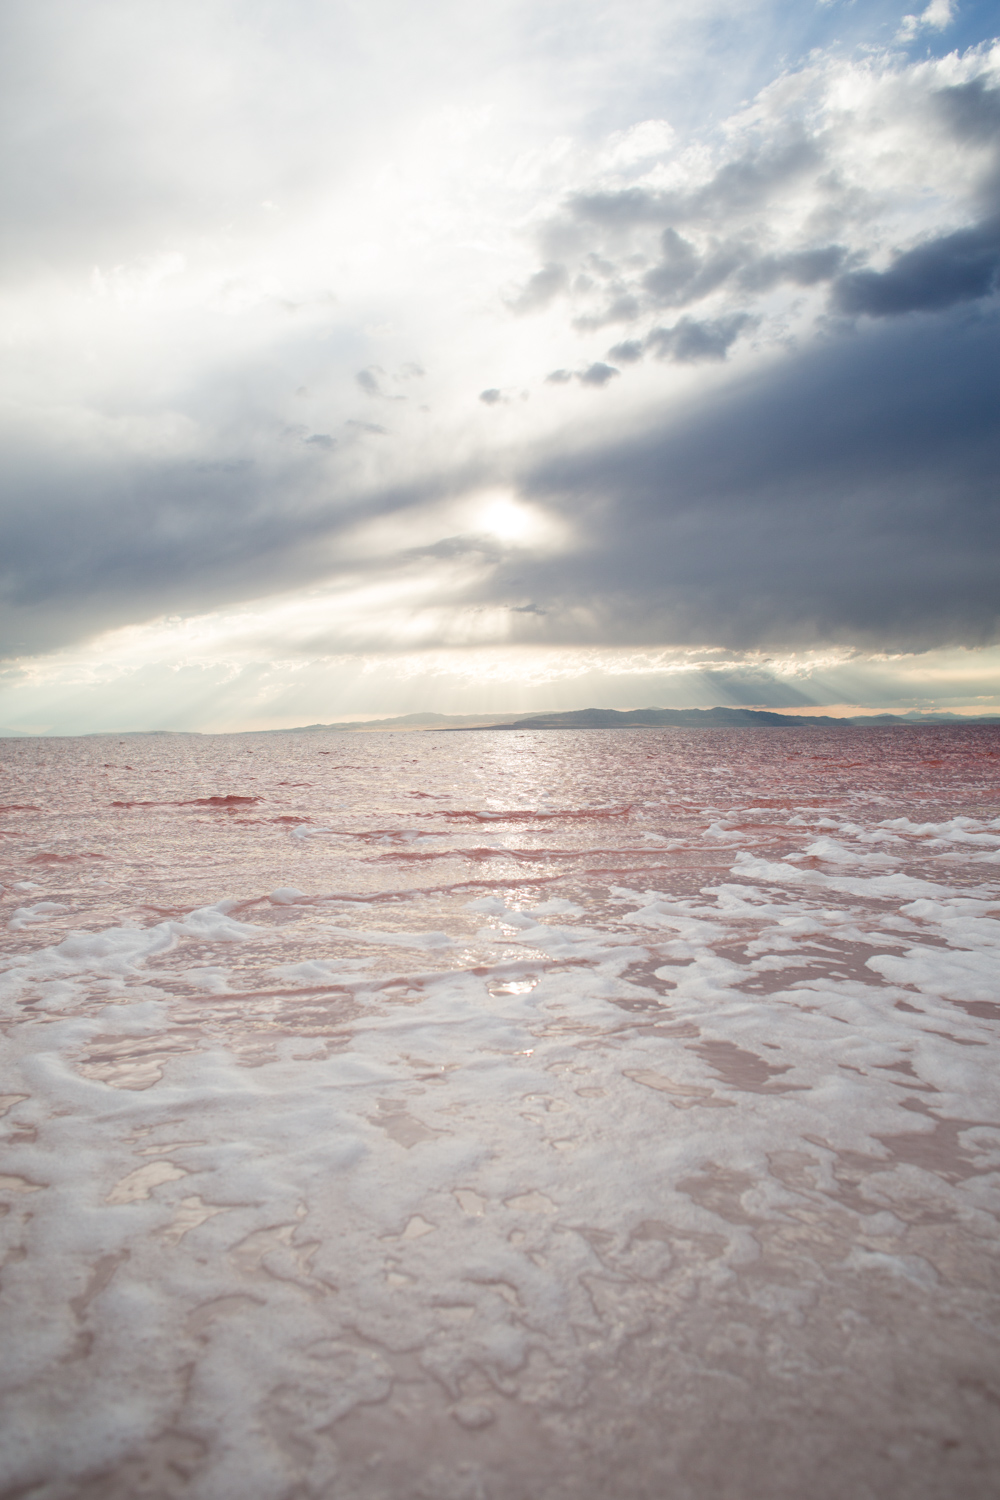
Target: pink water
{"type": "Point", "coordinates": [592, 1115]}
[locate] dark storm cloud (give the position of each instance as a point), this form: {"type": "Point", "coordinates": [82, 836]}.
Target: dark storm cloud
{"type": "Point", "coordinates": [945, 269]}
{"type": "Point", "coordinates": [959, 267]}
{"type": "Point", "coordinates": [86, 547]}
{"type": "Point", "coordinates": [847, 494]}
{"type": "Point", "coordinates": [971, 110]}
{"type": "Point", "coordinates": [83, 545]}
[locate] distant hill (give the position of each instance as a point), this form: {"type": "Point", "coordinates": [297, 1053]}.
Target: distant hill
{"type": "Point", "coordinates": [410, 721]}
{"type": "Point", "coordinates": [683, 718]}
{"type": "Point", "coordinates": [649, 718]}
{"type": "Point", "coordinates": [726, 718]}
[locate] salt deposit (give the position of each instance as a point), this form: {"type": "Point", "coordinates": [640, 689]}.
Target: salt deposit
{"type": "Point", "coordinates": [487, 1116]}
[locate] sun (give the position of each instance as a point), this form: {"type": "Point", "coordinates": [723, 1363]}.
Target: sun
{"type": "Point", "coordinates": [502, 515]}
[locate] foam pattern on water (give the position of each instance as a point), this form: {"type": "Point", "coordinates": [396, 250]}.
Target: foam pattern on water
{"type": "Point", "coordinates": [481, 1116]}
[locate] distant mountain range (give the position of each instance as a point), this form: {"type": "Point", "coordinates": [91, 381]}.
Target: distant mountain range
{"type": "Point", "coordinates": [654, 718]}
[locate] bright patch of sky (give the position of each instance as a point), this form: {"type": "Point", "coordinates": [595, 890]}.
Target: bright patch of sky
{"type": "Point", "coordinates": [377, 358]}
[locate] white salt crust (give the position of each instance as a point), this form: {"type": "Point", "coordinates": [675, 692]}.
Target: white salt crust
{"type": "Point", "coordinates": [486, 1146]}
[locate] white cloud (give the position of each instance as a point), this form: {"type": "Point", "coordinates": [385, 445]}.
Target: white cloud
{"type": "Point", "coordinates": [936, 17]}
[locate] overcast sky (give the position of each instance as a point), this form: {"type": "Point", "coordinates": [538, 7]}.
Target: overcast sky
{"type": "Point", "coordinates": [364, 357]}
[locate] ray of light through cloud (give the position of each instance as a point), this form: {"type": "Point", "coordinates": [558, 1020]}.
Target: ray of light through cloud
{"type": "Point", "coordinates": [367, 359]}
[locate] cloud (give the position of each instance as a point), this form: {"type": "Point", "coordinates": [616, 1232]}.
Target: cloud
{"type": "Point", "coordinates": [846, 494]}
{"type": "Point", "coordinates": [842, 494]}
{"type": "Point", "coordinates": [691, 268]}
{"type": "Point", "coordinates": [598, 374]}
{"type": "Point", "coordinates": [937, 16]}
{"type": "Point", "coordinates": [540, 289]}
{"type": "Point", "coordinates": [689, 340]}
{"type": "Point", "coordinates": [959, 267]}
{"type": "Point", "coordinates": [368, 381]}
{"type": "Point", "coordinates": [791, 204]}
{"type": "Point", "coordinates": [785, 456]}
{"type": "Point", "coordinates": [748, 182]}
{"type": "Point", "coordinates": [628, 352]}
{"type": "Point", "coordinates": [683, 276]}
{"type": "Point", "coordinates": [800, 268]}
{"type": "Point", "coordinates": [971, 110]}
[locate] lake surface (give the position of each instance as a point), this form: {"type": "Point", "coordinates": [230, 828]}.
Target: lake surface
{"type": "Point", "coordinates": [582, 1115]}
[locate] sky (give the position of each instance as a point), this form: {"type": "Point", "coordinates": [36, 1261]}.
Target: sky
{"type": "Point", "coordinates": [366, 358]}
